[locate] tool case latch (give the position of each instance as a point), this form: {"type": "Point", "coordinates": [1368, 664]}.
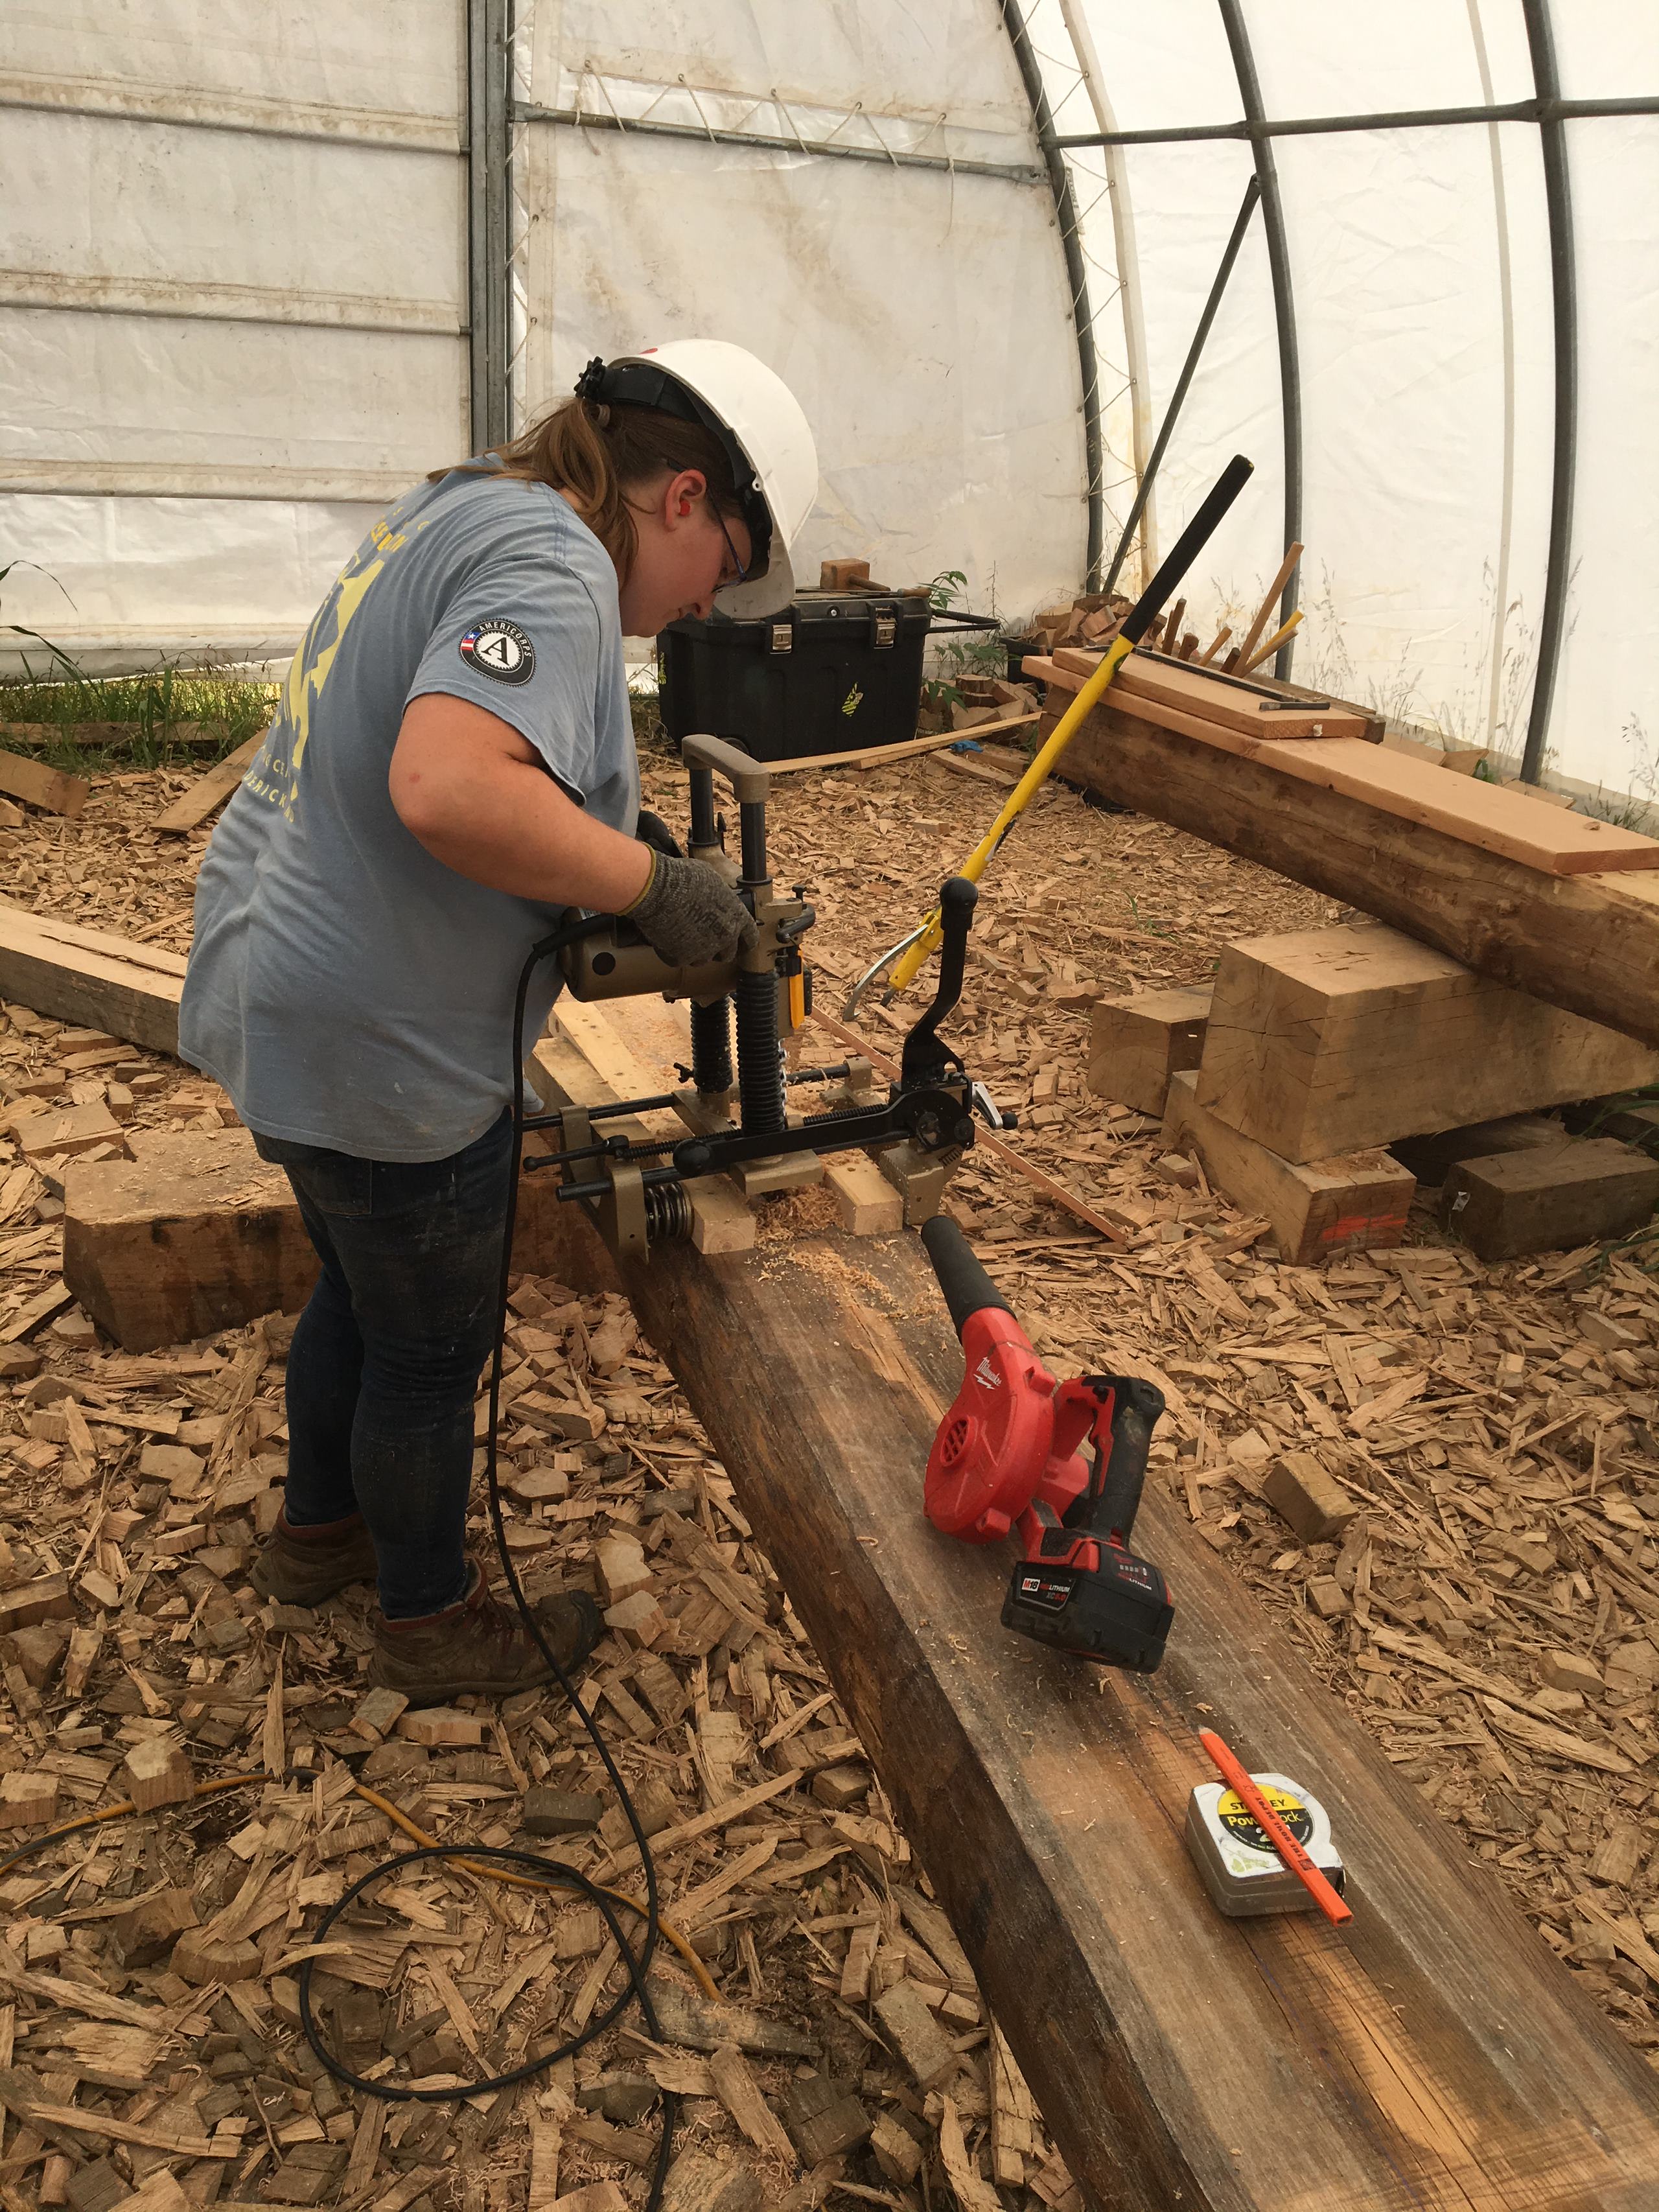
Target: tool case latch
{"type": "Point", "coordinates": [884, 628]}
{"type": "Point", "coordinates": [780, 632]}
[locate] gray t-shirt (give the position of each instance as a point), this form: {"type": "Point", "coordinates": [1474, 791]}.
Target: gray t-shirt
{"type": "Point", "coordinates": [348, 989]}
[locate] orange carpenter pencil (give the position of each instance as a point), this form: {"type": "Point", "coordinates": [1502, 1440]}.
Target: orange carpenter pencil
{"type": "Point", "coordinates": [1274, 1829]}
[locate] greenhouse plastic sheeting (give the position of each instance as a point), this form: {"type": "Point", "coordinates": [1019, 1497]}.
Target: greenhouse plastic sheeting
{"type": "Point", "coordinates": [232, 309]}
{"type": "Point", "coordinates": [233, 320]}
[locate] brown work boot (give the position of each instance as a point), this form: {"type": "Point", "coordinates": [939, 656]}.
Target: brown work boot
{"type": "Point", "coordinates": [480, 1647]}
{"type": "Point", "coordinates": [302, 1566]}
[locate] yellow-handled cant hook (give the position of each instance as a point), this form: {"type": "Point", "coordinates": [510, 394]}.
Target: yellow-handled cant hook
{"type": "Point", "coordinates": [905, 958]}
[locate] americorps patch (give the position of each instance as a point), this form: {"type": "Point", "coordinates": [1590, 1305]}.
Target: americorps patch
{"type": "Point", "coordinates": [500, 648]}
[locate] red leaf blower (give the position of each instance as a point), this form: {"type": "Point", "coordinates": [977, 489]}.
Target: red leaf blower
{"type": "Point", "coordinates": [1064, 1462]}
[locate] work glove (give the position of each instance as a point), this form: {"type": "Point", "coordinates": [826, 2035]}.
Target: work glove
{"type": "Point", "coordinates": [651, 830]}
{"type": "Point", "coordinates": [689, 915]}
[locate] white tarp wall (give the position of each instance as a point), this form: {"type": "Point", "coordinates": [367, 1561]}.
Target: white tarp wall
{"type": "Point", "coordinates": [231, 306]}
{"type": "Point", "coordinates": [920, 313]}
{"type": "Point", "coordinates": [233, 320]}
{"type": "Point", "coordinates": [235, 296]}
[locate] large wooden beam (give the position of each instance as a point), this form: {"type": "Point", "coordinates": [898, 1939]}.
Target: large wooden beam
{"type": "Point", "coordinates": [1433, 2054]}
{"type": "Point", "coordinates": [89, 976]}
{"type": "Point", "coordinates": [1590, 943]}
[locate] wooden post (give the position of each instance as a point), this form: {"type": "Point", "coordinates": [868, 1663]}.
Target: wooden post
{"type": "Point", "coordinates": [1181, 2058]}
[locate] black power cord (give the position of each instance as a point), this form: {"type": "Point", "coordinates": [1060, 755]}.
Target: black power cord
{"type": "Point", "coordinates": [551, 1873]}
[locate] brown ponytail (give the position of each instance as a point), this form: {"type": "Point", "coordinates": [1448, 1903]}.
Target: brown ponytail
{"type": "Point", "coordinates": [597, 452]}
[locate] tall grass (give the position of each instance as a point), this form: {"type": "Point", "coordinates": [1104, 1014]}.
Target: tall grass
{"type": "Point", "coordinates": [227, 709]}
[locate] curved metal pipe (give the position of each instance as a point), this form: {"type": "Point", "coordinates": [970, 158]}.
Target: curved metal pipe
{"type": "Point", "coordinates": [1059, 183]}
{"type": "Point", "coordinates": [1393, 119]}
{"type": "Point", "coordinates": [1557, 205]}
{"type": "Point", "coordinates": [1279, 266]}
{"type": "Point", "coordinates": [1074, 15]}
{"type": "Point", "coordinates": [1188, 370]}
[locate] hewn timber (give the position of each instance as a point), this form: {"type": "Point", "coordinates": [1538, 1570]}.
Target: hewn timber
{"type": "Point", "coordinates": [1432, 2054]}
{"type": "Point", "coordinates": [1590, 943]}
{"type": "Point", "coordinates": [89, 976]}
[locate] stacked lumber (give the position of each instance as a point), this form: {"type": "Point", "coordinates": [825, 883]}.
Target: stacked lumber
{"type": "Point", "coordinates": [1316, 1049]}
{"type": "Point", "coordinates": [1578, 900]}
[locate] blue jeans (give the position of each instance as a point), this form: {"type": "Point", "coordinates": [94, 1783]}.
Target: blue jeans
{"type": "Point", "coordinates": [385, 1357]}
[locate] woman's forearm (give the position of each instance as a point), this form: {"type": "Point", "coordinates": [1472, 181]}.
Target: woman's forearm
{"type": "Point", "coordinates": [476, 796]}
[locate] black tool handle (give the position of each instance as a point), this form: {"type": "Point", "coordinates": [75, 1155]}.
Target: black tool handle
{"type": "Point", "coordinates": [1136, 1405]}
{"type": "Point", "coordinates": [967, 1289]}
{"type": "Point", "coordinates": [923, 1058]}
{"type": "Point", "coordinates": [1187, 549]}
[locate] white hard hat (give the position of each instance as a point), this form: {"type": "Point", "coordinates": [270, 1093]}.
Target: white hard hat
{"type": "Point", "coordinates": [757, 418]}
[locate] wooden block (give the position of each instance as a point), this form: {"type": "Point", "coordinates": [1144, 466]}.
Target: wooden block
{"type": "Point", "coordinates": [199, 1234]}
{"type": "Point", "coordinates": [37, 785]}
{"type": "Point", "coordinates": [1302, 1492]}
{"type": "Point", "coordinates": [28, 1800]}
{"type": "Point", "coordinates": [1329, 1039]}
{"type": "Point", "coordinates": [1571, 1670]}
{"type": "Point", "coordinates": [915, 2033]}
{"type": "Point", "coordinates": [61, 1131]}
{"type": "Point", "coordinates": [867, 1203]}
{"type": "Point", "coordinates": [1547, 1202]}
{"type": "Point", "coordinates": [895, 2150]}
{"type": "Point", "coordinates": [180, 1469]}
{"type": "Point", "coordinates": [722, 1220]}
{"type": "Point", "coordinates": [46, 1598]}
{"type": "Point", "coordinates": [823, 2117]}
{"type": "Point", "coordinates": [840, 1786]}
{"type": "Point", "coordinates": [38, 1649]}
{"type": "Point", "coordinates": [1632, 1124]}
{"type": "Point", "coordinates": [197, 1957]}
{"type": "Point", "coordinates": [700, 2184]}
{"type": "Point", "coordinates": [19, 1361]}
{"type": "Point", "coordinates": [84, 1645]}
{"type": "Point", "coordinates": [691, 2022]}
{"type": "Point", "coordinates": [561, 1811]}
{"type": "Point", "coordinates": [1138, 1042]}
{"type": "Point", "coordinates": [638, 1620]}
{"type": "Point", "coordinates": [1429, 1157]}
{"type": "Point", "coordinates": [739, 2091]}
{"type": "Point", "coordinates": [543, 2184]}
{"type": "Point", "coordinates": [532, 1485]}
{"type": "Point", "coordinates": [836, 576]}
{"type": "Point", "coordinates": [441, 1726]}
{"type": "Point", "coordinates": [622, 1568]}
{"type": "Point", "coordinates": [158, 1772]}
{"type": "Point", "coordinates": [1353, 1203]}
{"type": "Point", "coordinates": [90, 976]}
{"type": "Point", "coordinates": [378, 1714]}
{"type": "Point", "coordinates": [596, 2197]}
{"type": "Point", "coordinates": [139, 1937]}
{"type": "Point", "coordinates": [662, 1690]}
{"type": "Point", "coordinates": [193, 806]}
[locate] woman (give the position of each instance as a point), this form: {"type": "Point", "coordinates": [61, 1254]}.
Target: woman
{"type": "Point", "coordinates": [450, 766]}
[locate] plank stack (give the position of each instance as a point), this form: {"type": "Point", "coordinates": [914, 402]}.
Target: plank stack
{"type": "Point", "coordinates": [1320, 1056]}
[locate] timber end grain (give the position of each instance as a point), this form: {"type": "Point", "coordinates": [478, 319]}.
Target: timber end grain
{"type": "Point", "coordinates": [198, 1234]}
